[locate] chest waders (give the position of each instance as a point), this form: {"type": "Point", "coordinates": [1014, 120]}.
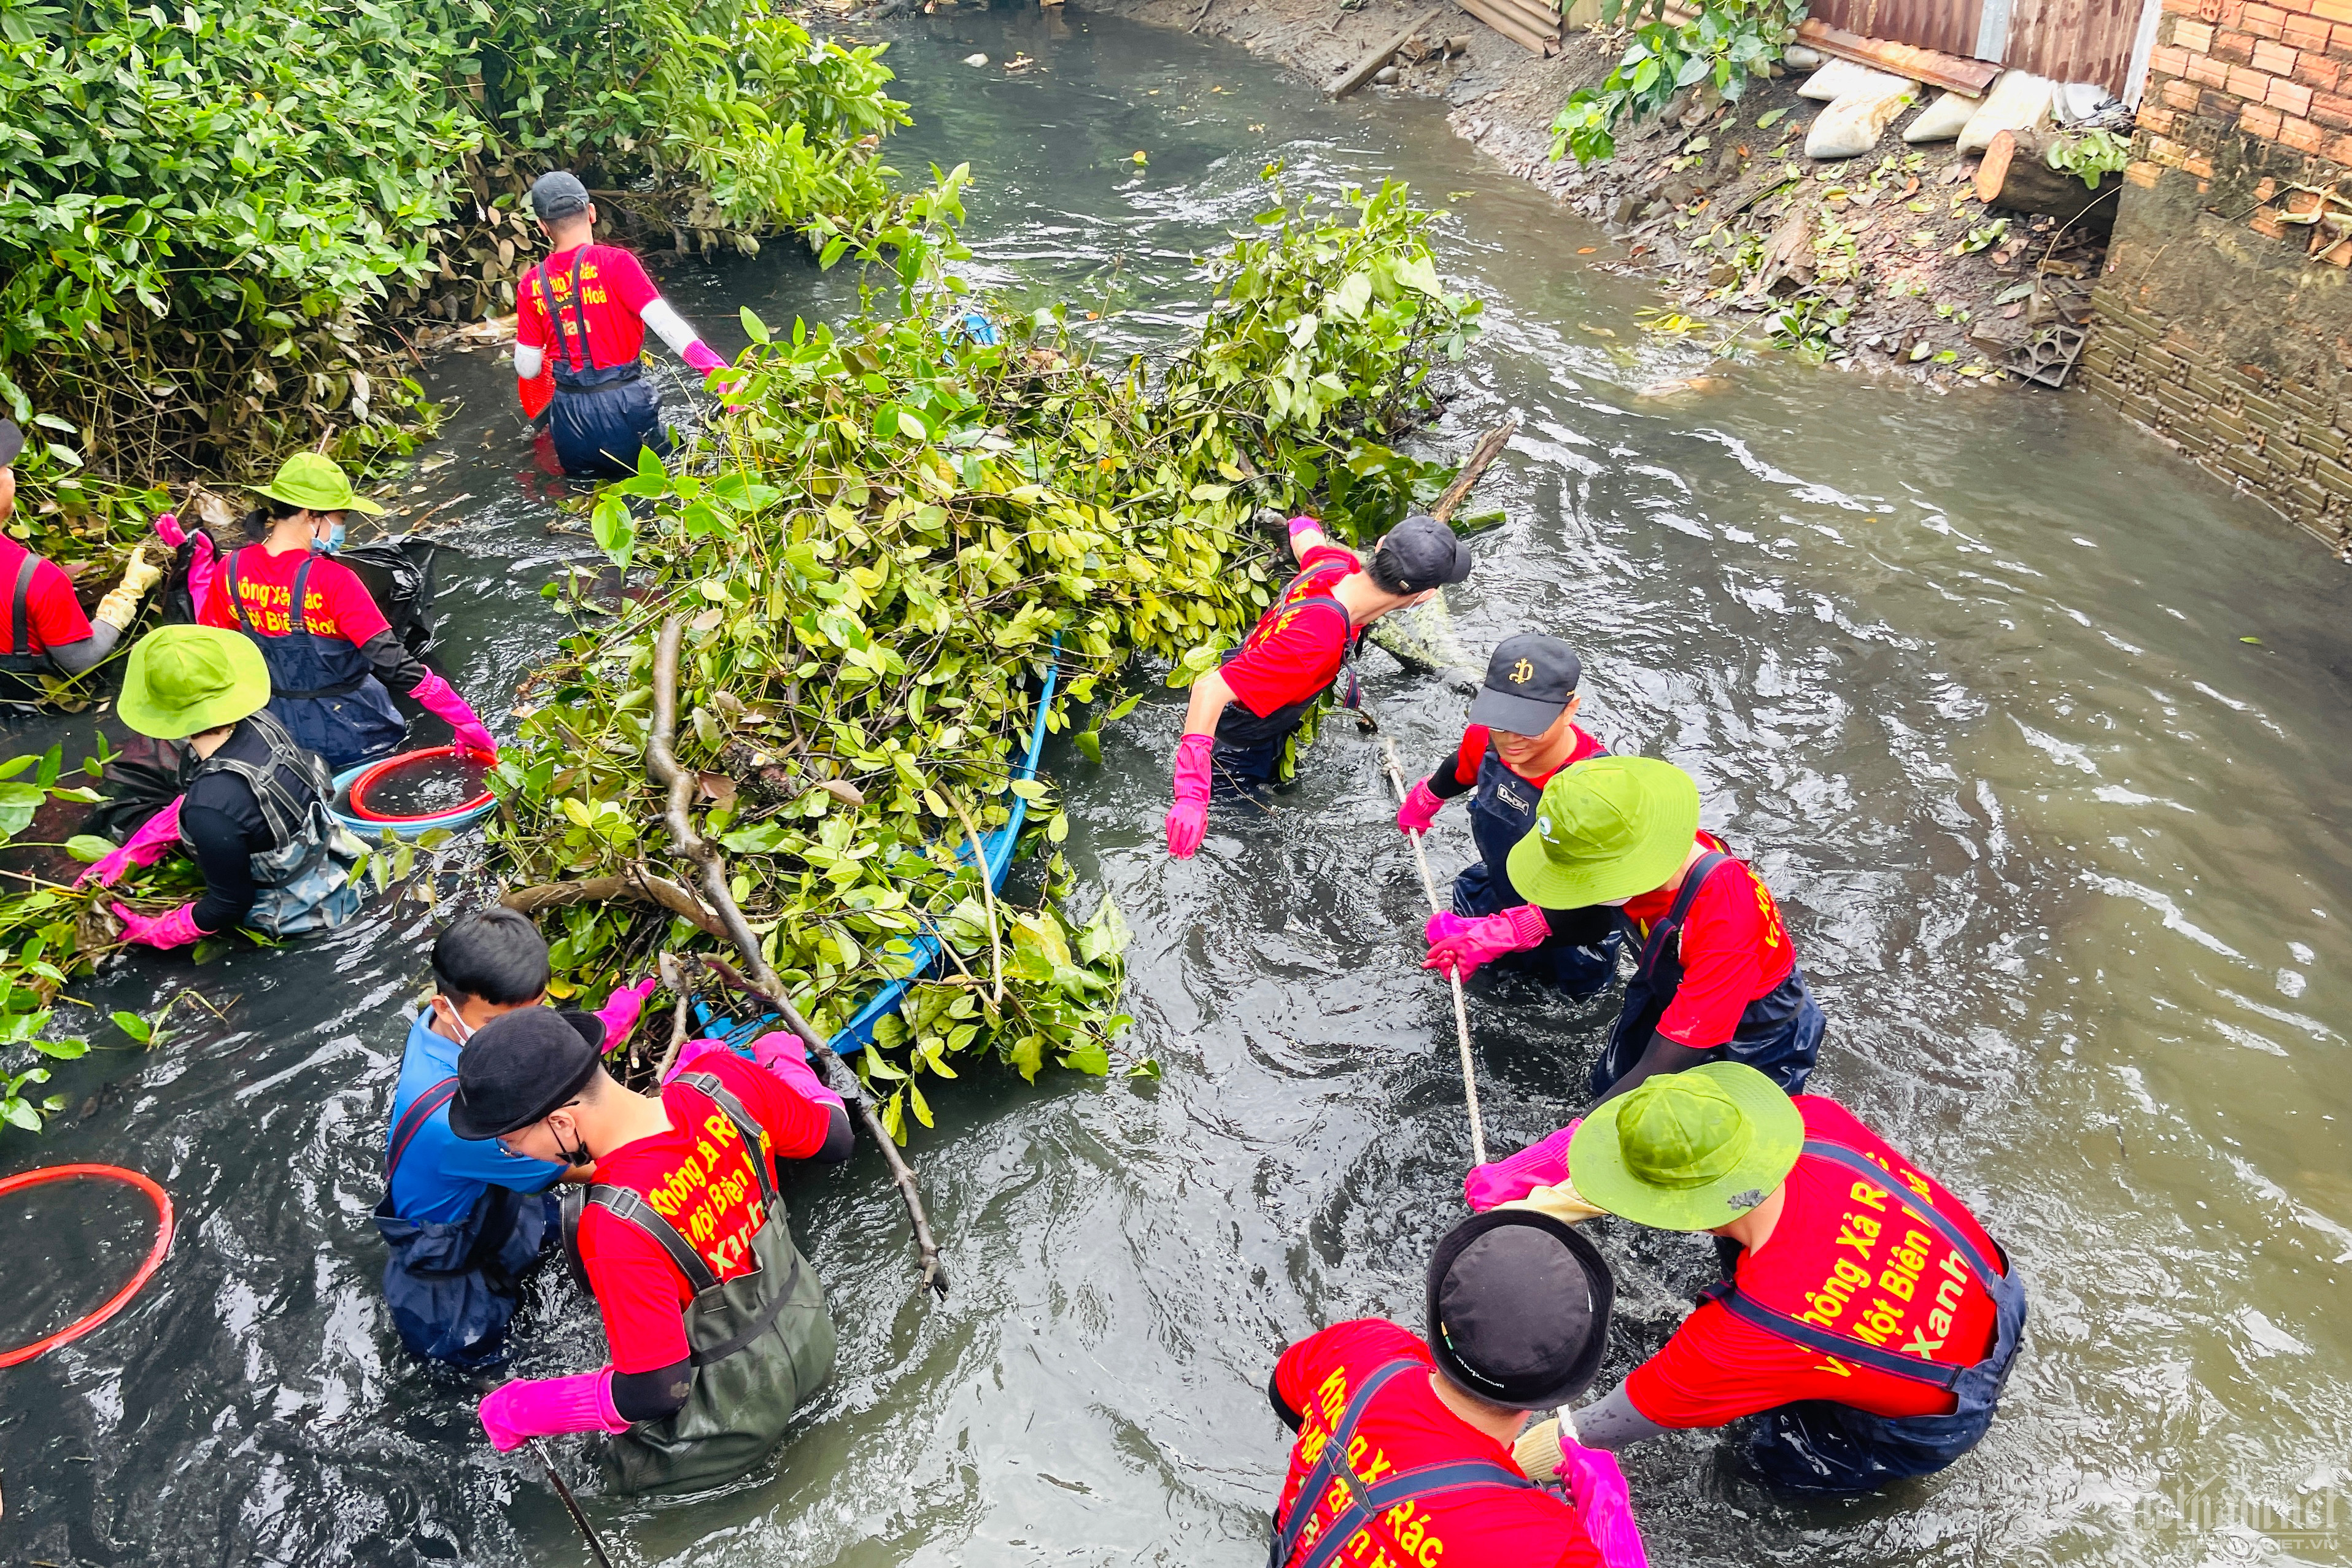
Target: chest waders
{"type": "Point", "coordinates": [1818, 1446]}
{"type": "Point", "coordinates": [1251, 753]}
{"type": "Point", "coordinates": [761, 1343]}
{"type": "Point", "coordinates": [603, 414]}
{"type": "Point", "coordinates": [322, 689]}
{"type": "Point", "coordinates": [304, 883]}
{"type": "Point", "coordinates": [452, 1288]}
{"type": "Point", "coordinates": [1360, 1505]}
{"type": "Point", "coordinates": [1780, 1034]}
{"type": "Point", "coordinates": [1580, 956]}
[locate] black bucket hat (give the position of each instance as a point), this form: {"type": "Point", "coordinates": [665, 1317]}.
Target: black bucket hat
{"type": "Point", "coordinates": [1518, 1309]}
{"type": "Point", "coordinates": [1422, 553]}
{"type": "Point", "coordinates": [520, 1066]}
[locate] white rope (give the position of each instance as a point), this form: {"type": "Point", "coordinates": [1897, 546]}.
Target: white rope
{"type": "Point", "coordinates": [1461, 1009]}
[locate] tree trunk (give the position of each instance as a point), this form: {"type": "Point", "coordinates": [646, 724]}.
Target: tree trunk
{"type": "Point", "coordinates": [2015, 174]}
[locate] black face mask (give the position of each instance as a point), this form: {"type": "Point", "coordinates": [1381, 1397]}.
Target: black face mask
{"type": "Point", "coordinates": [574, 1157]}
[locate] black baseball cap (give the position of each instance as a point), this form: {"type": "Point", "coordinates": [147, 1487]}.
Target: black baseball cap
{"type": "Point", "coordinates": [12, 441]}
{"type": "Point", "coordinates": [1421, 553]}
{"type": "Point", "coordinates": [520, 1066]}
{"type": "Point", "coordinates": [1518, 1309]}
{"type": "Point", "coordinates": [1530, 679]}
{"type": "Point", "coordinates": [558, 193]}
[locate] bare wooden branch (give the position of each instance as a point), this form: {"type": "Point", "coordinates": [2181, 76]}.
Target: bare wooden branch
{"type": "Point", "coordinates": [637, 885]}
{"type": "Point", "coordinates": [661, 761]}
{"type": "Point", "coordinates": [676, 981]}
{"type": "Point", "coordinates": [1369, 67]}
{"type": "Point", "coordinates": [987, 896]}
{"type": "Point", "coordinates": [1490, 447]}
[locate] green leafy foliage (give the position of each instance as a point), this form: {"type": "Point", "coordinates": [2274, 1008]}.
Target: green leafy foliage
{"type": "Point", "coordinates": [43, 943]}
{"type": "Point", "coordinates": [2089, 155]}
{"type": "Point", "coordinates": [1726, 45]}
{"type": "Point", "coordinates": [876, 558]}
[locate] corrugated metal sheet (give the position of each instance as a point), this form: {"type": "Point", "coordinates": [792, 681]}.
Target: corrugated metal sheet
{"type": "Point", "coordinates": [1946, 25]}
{"type": "Point", "coordinates": [2074, 41]}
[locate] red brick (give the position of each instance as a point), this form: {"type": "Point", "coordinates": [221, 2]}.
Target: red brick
{"type": "Point", "coordinates": [2166, 151]}
{"type": "Point", "coordinates": [2209, 70]}
{"type": "Point", "coordinates": [2300, 134]}
{"type": "Point", "coordinates": [2304, 32]}
{"type": "Point", "coordinates": [2330, 110]}
{"type": "Point", "coordinates": [2219, 106]}
{"type": "Point", "coordinates": [2182, 95]}
{"type": "Point", "coordinates": [2250, 85]}
{"type": "Point", "coordinates": [2144, 175]}
{"type": "Point", "coordinates": [2194, 36]}
{"type": "Point", "coordinates": [2337, 149]}
{"type": "Point", "coordinates": [2237, 48]}
{"type": "Point", "coordinates": [2318, 71]}
{"type": "Point", "coordinates": [2256, 121]}
{"type": "Point", "coordinates": [2264, 21]}
{"type": "Point", "coordinates": [2267, 222]}
{"type": "Point", "coordinates": [2275, 58]}
{"type": "Point", "coordinates": [2154, 120]}
{"type": "Point", "coordinates": [2288, 97]}
{"type": "Point", "coordinates": [2332, 10]}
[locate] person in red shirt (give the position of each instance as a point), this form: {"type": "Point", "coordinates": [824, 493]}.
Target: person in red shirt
{"type": "Point", "coordinates": [1404, 1453]}
{"type": "Point", "coordinates": [1241, 715]}
{"type": "Point", "coordinates": [591, 304]}
{"type": "Point", "coordinates": [1522, 731]}
{"type": "Point", "coordinates": [1717, 977]}
{"type": "Point", "coordinates": [715, 1324]}
{"type": "Point", "coordinates": [1870, 1317]}
{"type": "Point", "coordinates": [47, 635]}
{"type": "Point", "coordinates": [330, 666]}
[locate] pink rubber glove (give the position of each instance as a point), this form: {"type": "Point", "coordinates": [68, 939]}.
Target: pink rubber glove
{"type": "Point", "coordinates": [702, 358]}
{"type": "Point", "coordinates": [1303, 525]}
{"type": "Point", "coordinates": [514, 1413]}
{"type": "Point", "coordinates": [1597, 1485]}
{"type": "Point", "coordinates": [438, 697]}
{"type": "Point", "coordinates": [691, 1054]}
{"type": "Point", "coordinates": [168, 529]}
{"type": "Point", "coordinates": [1456, 943]}
{"type": "Point", "coordinates": [154, 840]}
{"type": "Point", "coordinates": [1419, 809]}
{"type": "Point", "coordinates": [783, 1055]}
{"type": "Point", "coordinates": [1507, 1180]}
{"type": "Point", "coordinates": [624, 1008]}
{"type": "Point", "coordinates": [1188, 820]}
{"type": "Point", "coordinates": [176, 929]}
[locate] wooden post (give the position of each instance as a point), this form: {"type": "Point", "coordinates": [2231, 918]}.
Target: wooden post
{"type": "Point", "coordinates": [1367, 68]}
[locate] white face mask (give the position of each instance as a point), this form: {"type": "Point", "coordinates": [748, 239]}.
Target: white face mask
{"type": "Point", "coordinates": [446, 1012]}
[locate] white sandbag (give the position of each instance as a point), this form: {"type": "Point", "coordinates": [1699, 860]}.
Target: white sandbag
{"type": "Point", "coordinates": [2018, 101]}
{"type": "Point", "coordinates": [1851, 126]}
{"type": "Point", "coordinates": [1843, 78]}
{"type": "Point", "coordinates": [1798, 58]}
{"type": "Point", "coordinates": [1942, 119]}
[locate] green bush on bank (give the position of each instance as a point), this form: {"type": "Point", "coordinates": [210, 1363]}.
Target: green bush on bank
{"type": "Point", "coordinates": [876, 561]}
{"type": "Point", "coordinates": [210, 216]}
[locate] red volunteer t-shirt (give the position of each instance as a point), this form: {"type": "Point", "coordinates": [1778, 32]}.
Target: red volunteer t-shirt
{"type": "Point", "coordinates": [1405, 1427]}
{"type": "Point", "coordinates": [1293, 653]}
{"type": "Point", "coordinates": [699, 1176]}
{"type": "Point", "coordinates": [1846, 1257]}
{"type": "Point", "coordinates": [1735, 949]}
{"type": "Point", "coordinates": [613, 288]}
{"type": "Point", "coordinates": [1471, 756]}
{"type": "Point", "coordinates": [335, 602]}
{"type": "Point", "coordinates": [55, 614]}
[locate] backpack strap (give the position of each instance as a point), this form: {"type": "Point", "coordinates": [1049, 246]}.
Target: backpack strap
{"type": "Point", "coordinates": [237, 592]}
{"type": "Point", "coordinates": [1666, 930]}
{"type": "Point", "coordinates": [421, 1110]}
{"type": "Point", "coordinates": [628, 1205]}
{"type": "Point", "coordinates": [20, 634]}
{"type": "Point", "coordinates": [1911, 1368]}
{"type": "Point", "coordinates": [746, 1127]}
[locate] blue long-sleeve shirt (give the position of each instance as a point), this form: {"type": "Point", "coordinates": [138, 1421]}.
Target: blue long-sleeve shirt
{"type": "Point", "coordinates": [443, 1175]}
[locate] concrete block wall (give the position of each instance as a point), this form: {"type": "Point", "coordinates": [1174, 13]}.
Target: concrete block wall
{"type": "Point", "coordinates": [2224, 317]}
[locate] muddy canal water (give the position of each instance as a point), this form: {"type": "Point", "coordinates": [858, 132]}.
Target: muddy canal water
{"type": "Point", "coordinates": [2041, 737]}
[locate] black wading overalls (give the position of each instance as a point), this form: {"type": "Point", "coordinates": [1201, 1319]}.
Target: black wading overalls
{"type": "Point", "coordinates": [1250, 750]}
{"type": "Point", "coordinates": [1815, 1446]}
{"type": "Point", "coordinates": [1360, 1518]}
{"type": "Point", "coordinates": [1780, 1035]}
{"type": "Point", "coordinates": [322, 689]}
{"type": "Point", "coordinates": [762, 1342]}
{"type": "Point", "coordinates": [1580, 956]}
{"type": "Point", "coordinates": [603, 413]}
{"type": "Point", "coordinates": [304, 883]}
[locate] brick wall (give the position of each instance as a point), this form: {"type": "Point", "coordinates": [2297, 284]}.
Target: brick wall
{"type": "Point", "coordinates": [2225, 321]}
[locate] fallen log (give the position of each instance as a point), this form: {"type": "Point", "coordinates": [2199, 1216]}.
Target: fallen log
{"type": "Point", "coordinates": [637, 885]}
{"type": "Point", "coordinates": [2015, 174]}
{"type": "Point", "coordinates": [1490, 447]}
{"type": "Point", "coordinates": [1366, 69]}
{"type": "Point", "coordinates": [661, 761]}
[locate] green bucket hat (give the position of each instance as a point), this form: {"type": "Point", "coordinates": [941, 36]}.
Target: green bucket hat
{"type": "Point", "coordinates": [182, 679]}
{"type": "Point", "coordinates": [317, 483]}
{"type": "Point", "coordinates": [1609, 828]}
{"type": "Point", "coordinates": [1688, 1150]}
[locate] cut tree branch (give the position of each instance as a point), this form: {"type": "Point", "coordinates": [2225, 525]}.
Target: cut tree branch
{"type": "Point", "coordinates": [661, 761]}
{"type": "Point", "coordinates": [636, 885]}
{"type": "Point", "coordinates": [1490, 447]}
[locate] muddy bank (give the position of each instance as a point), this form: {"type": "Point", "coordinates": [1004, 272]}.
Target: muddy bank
{"type": "Point", "coordinates": [1886, 261]}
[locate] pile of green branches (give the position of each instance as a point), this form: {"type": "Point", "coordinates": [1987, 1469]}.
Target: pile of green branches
{"type": "Point", "coordinates": [887, 547]}
{"type": "Point", "coordinates": [212, 217]}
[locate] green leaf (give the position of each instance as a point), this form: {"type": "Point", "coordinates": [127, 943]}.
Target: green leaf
{"type": "Point", "coordinates": [1123, 709]}
{"type": "Point", "coordinates": [17, 804]}
{"type": "Point", "coordinates": [1028, 1055]}
{"type": "Point", "coordinates": [754, 327]}
{"type": "Point", "coordinates": [1028, 789]}
{"type": "Point", "coordinates": [136, 1028]}
{"type": "Point", "coordinates": [1148, 1067]}
{"type": "Point", "coordinates": [1089, 745]}
{"type": "Point", "coordinates": [89, 848]}
{"type": "Point", "coordinates": [1089, 1058]}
